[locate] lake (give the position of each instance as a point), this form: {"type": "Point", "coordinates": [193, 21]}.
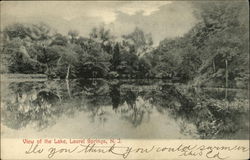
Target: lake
{"type": "Point", "coordinates": [99, 108]}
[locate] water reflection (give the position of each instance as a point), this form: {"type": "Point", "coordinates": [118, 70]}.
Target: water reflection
{"type": "Point", "coordinates": [124, 109]}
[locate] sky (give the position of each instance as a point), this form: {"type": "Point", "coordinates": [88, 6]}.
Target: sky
{"type": "Point", "coordinates": [163, 19]}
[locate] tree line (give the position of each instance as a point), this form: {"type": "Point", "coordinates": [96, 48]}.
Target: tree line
{"type": "Point", "coordinates": [213, 53]}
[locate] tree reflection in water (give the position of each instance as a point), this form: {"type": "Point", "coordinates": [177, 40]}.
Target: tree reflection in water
{"type": "Point", "coordinates": [27, 103]}
{"type": "Point", "coordinates": [196, 111]}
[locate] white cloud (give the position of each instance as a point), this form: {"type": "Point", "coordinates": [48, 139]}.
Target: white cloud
{"type": "Point", "coordinates": [108, 16]}
{"type": "Point", "coordinates": [161, 18]}
{"type": "Point", "coordinates": [70, 10]}
{"type": "Point", "coordinates": [147, 7]}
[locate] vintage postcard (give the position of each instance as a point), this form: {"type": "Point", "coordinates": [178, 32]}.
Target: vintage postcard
{"type": "Point", "coordinates": [124, 80]}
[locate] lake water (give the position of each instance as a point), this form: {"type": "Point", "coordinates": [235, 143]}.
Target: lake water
{"type": "Point", "coordinates": [98, 108]}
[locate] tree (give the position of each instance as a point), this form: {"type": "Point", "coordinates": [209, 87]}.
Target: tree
{"type": "Point", "coordinates": [116, 57]}
{"type": "Point", "coordinates": [66, 62]}
{"type": "Point", "coordinates": [101, 35]}
{"type": "Point", "coordinates": [73, 35]}
{"type": "Point", "coordinates": [167, 57]}
{"type": "Point", "coordinates": [93, 60]}
{"type": "Point", "coordinates": [190, 64]}
{"type": "Point", "coordinates": [223, 32]}
{"type": "Point", "coordinates": [35, 32]}
{"type": "Point", "coordinates": [59, 40]}
{"type": "Point", "coordinates": [137, 42]}
{"type": "Point", "coordinates": [20, 41]}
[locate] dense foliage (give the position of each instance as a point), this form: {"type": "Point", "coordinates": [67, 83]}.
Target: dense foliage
{"type": "Point", "coordinates": [213, 53]}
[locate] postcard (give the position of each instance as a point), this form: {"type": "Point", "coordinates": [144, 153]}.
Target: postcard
{"type": "Point", "coordinates": [125, 80]}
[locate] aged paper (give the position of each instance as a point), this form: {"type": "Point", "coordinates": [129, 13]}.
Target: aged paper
{"type": "Point", "coordinates": [124, 80]}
